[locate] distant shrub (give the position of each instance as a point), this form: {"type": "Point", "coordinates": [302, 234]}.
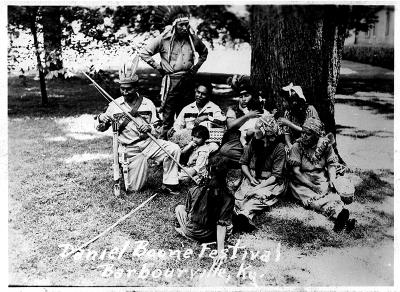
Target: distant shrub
{"type": "Point", "coordinates": [373, 55]}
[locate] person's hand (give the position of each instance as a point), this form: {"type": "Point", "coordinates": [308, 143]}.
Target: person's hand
{"type": "Point", "coordinates": [200, 119]}
{"type": "Point", "coordinates": [253, 114]}
{"type": "Point", "coordinates": [254, 181]}
{"type": "Point", "coordinates": [103, 118]}
{"type": "Point", "coordinates": [192, 144]}
{"type": "Point", "coordinates": [145, 128]}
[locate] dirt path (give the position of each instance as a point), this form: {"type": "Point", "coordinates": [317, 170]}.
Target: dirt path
{"type": "Point", "coordinates": [365, 137]}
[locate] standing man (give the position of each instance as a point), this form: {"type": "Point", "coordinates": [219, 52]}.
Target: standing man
{"type": "Point", "coordinates": [135, 146]}
{"type": "Point", "coordinates": [177, 46]}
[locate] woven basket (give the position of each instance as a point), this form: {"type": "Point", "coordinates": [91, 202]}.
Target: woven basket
{"type": "Point", "coordinates": [345, 189]}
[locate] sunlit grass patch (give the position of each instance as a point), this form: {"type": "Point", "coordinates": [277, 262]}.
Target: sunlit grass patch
{"type": "Point", "coordinates": [79, 158]}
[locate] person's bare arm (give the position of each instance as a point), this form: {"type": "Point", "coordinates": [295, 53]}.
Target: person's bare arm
{"type": "Point", "coordinates": [221, 233]}
{"type": "Point", "coordinates": [237, 123]}
{"type": "Point", "coordinates": [331, 174]}
{"type": "Point", "coordinates": [188, 147]}
{"type": "Point", "coordinates": [286, 122]}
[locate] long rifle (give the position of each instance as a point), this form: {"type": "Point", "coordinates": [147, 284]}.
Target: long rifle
{"type": "Point", "coordinates": [110, 227]}
{"type": "Point", "coordinates": [110, 99]}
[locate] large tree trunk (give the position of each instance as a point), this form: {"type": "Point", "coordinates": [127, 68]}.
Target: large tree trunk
{"type": "Point", "coordinates": [299, 44]}
{"type": "Point", "coordinates": [52, 34]}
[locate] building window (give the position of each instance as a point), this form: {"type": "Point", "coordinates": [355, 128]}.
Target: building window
{"type": "Point", "coordinates": [387, 23]}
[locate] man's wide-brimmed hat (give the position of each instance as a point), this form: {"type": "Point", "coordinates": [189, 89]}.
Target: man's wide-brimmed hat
{"type": "Point", "coordinates": [127, 72]}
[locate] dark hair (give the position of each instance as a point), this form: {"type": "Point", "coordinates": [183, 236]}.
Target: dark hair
{"type": "Point", "coordinates": [238, 83]}
{"type": "Point", "coordinates": [201, 132]}
{"type": "Point", "coordinates": [255, 103]}
{"type": "Point", "coordinates": [206, 85]}
{"type": "Point", "coordinates": [218, 167]}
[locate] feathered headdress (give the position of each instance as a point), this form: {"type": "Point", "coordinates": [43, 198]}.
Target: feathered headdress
{"type": "Point", "coordinates": [127, 73]}
{"type": "Point", "coordinates": [170, 15]}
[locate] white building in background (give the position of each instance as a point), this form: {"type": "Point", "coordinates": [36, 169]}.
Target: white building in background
{"type": "Point", "coordinates": [381, 34]}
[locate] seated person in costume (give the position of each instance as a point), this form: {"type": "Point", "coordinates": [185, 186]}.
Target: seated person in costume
{"type": "Point", "coordinates": [262, 162]}
{"type": "Point", "coordinates": [313, 176]}
{"type": "Point", "coordinates": [236, 117]}
{"type": "Point", "coordinates": [201, 112]}
{"type": "Point", "coordinates": [296, 114]}
{"type": "Point", "coordinates": [198, 153]}
{"type": "Point", "coordinates": [135, 146]}
{"type": "Point", "coordinates": [256, 104]}
{"type": "Point", "coordinates": [207, 214]}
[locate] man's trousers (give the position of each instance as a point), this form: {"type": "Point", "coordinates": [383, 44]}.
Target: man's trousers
{"type": "Point", "coordinates": [133, 159]}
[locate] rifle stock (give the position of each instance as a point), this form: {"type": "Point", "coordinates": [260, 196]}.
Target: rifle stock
{"type": "Point", "coordinates": [117, 190]}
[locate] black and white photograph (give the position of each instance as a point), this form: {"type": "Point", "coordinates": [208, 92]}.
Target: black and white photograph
{"type": "Point", "coordinates": [199, 146]}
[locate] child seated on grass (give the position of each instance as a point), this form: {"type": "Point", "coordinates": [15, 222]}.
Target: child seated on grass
{"type": "Point", "coordinates": [206, 215]}
{"type": "Point", "coordinates": [198, 152]}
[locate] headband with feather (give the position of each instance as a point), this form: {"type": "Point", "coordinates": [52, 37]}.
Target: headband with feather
{"type": "Point", "coordinates": [127, 73]}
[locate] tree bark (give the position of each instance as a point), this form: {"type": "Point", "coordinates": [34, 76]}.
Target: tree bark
{"type": "Point", "coordinates": [52, 35]}
{"type": "Point", "coordinates": [299, 44]}
{"type": "Point", "coordinates": [37, 52]}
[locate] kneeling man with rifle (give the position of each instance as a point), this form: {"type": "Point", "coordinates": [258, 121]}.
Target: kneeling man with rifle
{"type": "Point", "coordinates": [133, 116]}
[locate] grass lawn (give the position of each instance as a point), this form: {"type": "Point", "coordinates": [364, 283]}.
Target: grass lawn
{"type": "Point", "coordinates": [60, 191]}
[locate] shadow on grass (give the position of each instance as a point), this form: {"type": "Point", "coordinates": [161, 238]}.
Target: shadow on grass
{"type": "Point", "coordinates": [362, 134]}
{"type": "Point", "coordinates": [377, 107]}
{"type": "Point", "coordinates": [350, 85]}
{"type": "Point", "coordinates": [372, 188]}
{"type": "Point", "coordinates": [341, 128]}
{"type": "Point", "coordinates": [296, 233]}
